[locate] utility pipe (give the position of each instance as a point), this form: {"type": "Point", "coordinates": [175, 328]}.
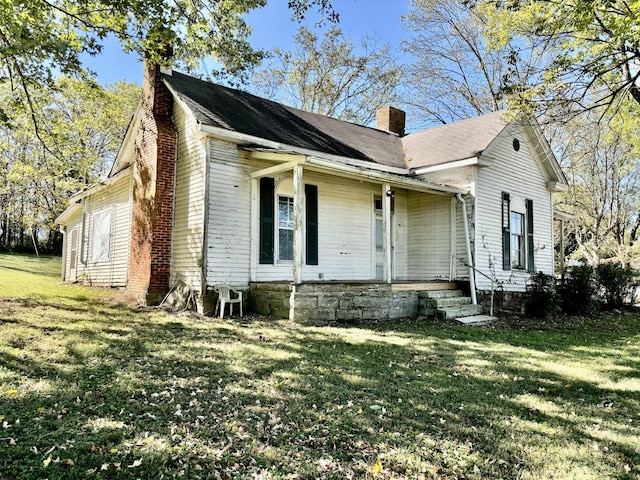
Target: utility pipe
{"type": "Point", "coordinates": [472, 279]}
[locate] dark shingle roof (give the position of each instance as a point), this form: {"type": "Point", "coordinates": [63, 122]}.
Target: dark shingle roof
{"type": "Point", "coordinates": [454, 141]}
{"type": "Point", "coordinates": [245, 113]}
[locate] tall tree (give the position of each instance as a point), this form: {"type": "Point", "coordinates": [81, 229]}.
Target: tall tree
{"type": "Point", "coordinates": [591, 50]}
{"type": "Point", "coordinates": [82, 126]}
{"type": "Point", "coordinates": [331, 76]}
{"type": "Point", "coordinates": [454, 72]}
{"type": "Point", "coordinates": [39, 38]}
{"type": "Point", "coordinates": [604, 188]}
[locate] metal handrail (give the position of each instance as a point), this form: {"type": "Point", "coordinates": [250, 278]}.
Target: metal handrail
{"type": "Point", "coordinates": [492, 279]}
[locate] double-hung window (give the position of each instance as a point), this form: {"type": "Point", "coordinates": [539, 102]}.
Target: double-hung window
{"type": "Point", "coordinates": [518, 249]}
{"type": "Point", "coordinates": [276, 224]}
{"type": "Point", "coordinates": [517, 233]}
{"type": "Point", "coordinates": [285, 228]}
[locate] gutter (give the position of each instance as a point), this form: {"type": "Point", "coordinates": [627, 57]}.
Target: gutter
{"type": "Point", "coordinates": [320, 164]}
{"type": "Point", "coordinates": [244, 139]}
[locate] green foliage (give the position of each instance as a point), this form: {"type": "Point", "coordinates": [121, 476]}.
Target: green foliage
{"type": "Point", "coordinates": [80, 128]}
{"type": "Point", "coordinates": [601, 165]}
{"type": "Point", "coordinates": [616, 284]}
{"type": "Point", "coordinates": [577, 291]}
{"type": "Point", "coordinates": [39, 40]}
{"type": "Point", "coordinates": [590, 49]}
{"type": "Point", "coordinates": [92, 387]}
{"type": "Point", "coordinates": [541, 299]}
{"type": "Point", "coordinates": [331, 76]}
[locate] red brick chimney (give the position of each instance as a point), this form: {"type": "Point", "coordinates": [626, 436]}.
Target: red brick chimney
{"type": "Point", "coordinates": [153, 191]}
{"type": "Point", "coordinates": [391, 119]}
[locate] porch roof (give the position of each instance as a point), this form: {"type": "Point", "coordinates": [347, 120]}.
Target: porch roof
{"type": "Point", "coordinates": [287, 161]}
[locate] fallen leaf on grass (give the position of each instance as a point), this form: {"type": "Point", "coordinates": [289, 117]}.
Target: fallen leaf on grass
{"type": "Point", "coordinates": [68, 462]}
{"type": "Point", "coordinates": [46, 461]}
{"type": "Point", "coordinates": [377, 468]}
{"type": "Point", "coordinates": [136, 463]}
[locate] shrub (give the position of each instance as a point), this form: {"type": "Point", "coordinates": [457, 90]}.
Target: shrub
{"type": "Point", "coordinates": [541, 299]}
{"type": "Point", "coordinates": [577, 291]}
{"type": "Point", "coordinates": [615, 283]}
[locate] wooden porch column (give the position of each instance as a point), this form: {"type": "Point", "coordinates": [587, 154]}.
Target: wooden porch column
{"type": "Point", "coordinates": [298, 224]}
{"type": "Point", "coordinates": [255, 213]}
{"type": "Point", "coordinates": [387, 193]}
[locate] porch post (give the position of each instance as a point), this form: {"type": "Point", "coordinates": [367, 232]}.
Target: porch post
{"type": "Point", "coordinates": [387, 193]}
{"type": "Point", "coordinates": [253, 263]}
{"type": "Point", "coordinates": [298, 223]}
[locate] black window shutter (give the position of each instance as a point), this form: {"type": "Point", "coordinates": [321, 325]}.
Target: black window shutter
{"type": "Point", "coordinates": [311, 214]}
{"type": "Point", "coordinates": [267, 200]}
{"type": "Point", "coordinates": [506, 231]}
{"type": "Point", "coordinates": [530, 249]}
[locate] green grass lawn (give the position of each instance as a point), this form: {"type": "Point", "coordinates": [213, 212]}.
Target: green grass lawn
{"type": "Point", "coordinates": [92, 388]}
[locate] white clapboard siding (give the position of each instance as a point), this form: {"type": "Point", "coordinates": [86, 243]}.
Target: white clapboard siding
{"type": "Point", "coordinates": [345, 231]}
{"type": "Point", "coordinates": [429, 239]}
{"type": "Point", "coordinates": [112, 271]}
{"type": "Point", "coordinates": [188, 230]}
{"type": "Point", "coordinates": [519, 174]}
{"type": "Point", "coordinates": [229, 215]}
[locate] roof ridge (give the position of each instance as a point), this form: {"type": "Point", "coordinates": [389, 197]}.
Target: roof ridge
{"type": "Point", "coordinates": [464, 120]}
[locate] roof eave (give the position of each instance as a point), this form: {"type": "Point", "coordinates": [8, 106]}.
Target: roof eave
{"type": "Point", "coordinates": [475, 161]}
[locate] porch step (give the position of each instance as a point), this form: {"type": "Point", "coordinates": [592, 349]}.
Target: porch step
{"type": "Point", "coordinates": [477, 320]}
{"type": "Point", "coordinates": [447, 304]}
{"type": "Point", "coordinates": [438, 294]}
{"type": "Point", "coordinates": [456, 311]}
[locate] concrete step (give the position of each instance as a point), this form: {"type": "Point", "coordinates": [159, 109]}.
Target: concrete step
{"type": "Point", "coordinates": [451, 301]}
{"type": "Point", "coordinates": [477, 320]}
{"type": "Point", "coordinates": [459, 311]}
{"type": "Point", "coordinates": [437, 294]}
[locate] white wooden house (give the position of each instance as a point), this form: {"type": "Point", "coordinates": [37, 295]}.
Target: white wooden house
{"type": "Point", "coordinates": [316, 218]}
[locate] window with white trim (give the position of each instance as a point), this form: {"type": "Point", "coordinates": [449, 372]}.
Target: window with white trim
{"type": "Point", "coordinates": [100, 237]}
{"type": "Point", "coordinates": [285, 228]}
{"type": "Point", "coordinates": [518, 249]}
{"type": "Point", "coordinates": [517, 233]}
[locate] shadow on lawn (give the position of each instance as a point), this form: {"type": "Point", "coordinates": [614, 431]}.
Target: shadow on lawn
{"type": "Point", "coordinates": [196, 398]}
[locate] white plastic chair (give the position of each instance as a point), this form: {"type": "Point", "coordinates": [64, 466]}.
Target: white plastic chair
{"type": "Point", "coordinates": [225, 293]}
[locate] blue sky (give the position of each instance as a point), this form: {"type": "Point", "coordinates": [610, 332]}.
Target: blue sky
{"type": "Point", "coordinates": [273, 28]}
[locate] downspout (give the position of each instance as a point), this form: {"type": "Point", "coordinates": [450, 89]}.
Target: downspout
{"type": "Point", "coordinates": [472, 279]}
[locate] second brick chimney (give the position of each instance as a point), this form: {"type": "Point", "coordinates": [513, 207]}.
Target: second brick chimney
{"type": "Point", "coordinates": [391, 119]}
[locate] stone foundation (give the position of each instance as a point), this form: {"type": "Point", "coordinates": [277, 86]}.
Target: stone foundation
{"type": "Point", "coordinates": [344, 303]}
{"type": "Point", "coordinates": [503, 302]}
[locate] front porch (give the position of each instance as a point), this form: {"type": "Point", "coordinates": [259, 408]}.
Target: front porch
{"type": "Point", "coordinates": [319, 303]}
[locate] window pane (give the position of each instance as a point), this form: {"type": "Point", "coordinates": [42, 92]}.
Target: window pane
{"type": "Point", "coordinates": [285, 244]}
{"type": "Point", "coordinates": [517, 240]}
{"type": "Point", "coordinates": [285, 228]}
{"type": "Point", "coordinates": [285, 212]}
